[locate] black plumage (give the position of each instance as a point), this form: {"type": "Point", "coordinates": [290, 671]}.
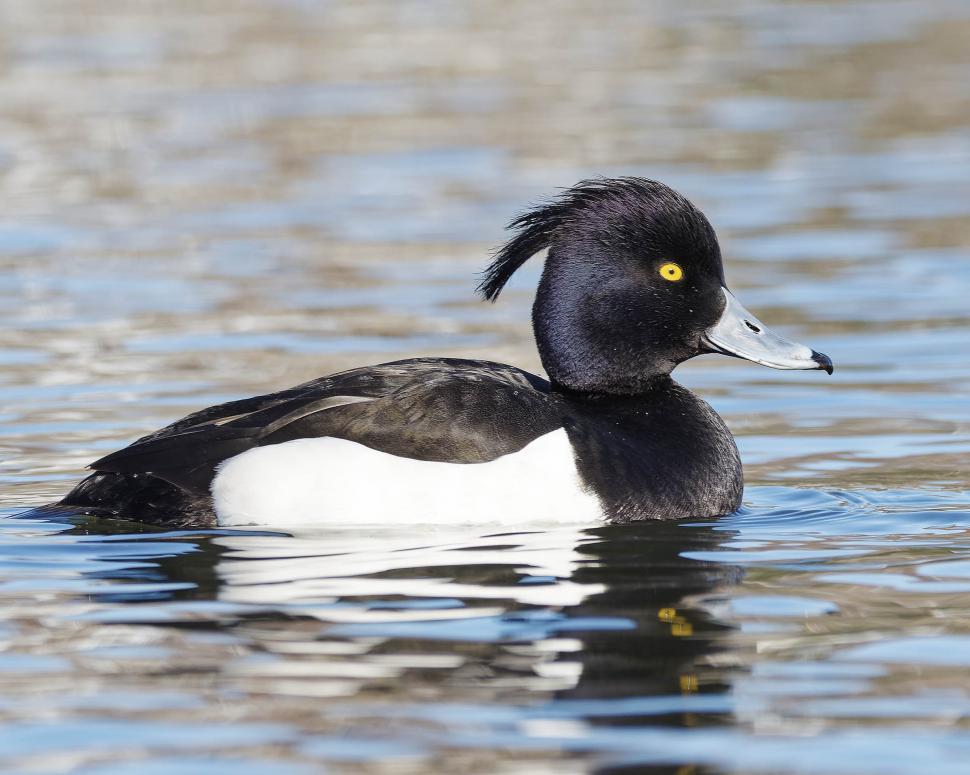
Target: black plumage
{"type": "Point", "coordinates": [398, 407]}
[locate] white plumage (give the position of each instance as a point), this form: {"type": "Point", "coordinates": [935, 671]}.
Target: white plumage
{"type": "Point", "coordinates": [328, 480]}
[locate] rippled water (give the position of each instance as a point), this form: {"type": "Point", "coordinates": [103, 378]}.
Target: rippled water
{"type": "Point", "coordinates": [204, 201]}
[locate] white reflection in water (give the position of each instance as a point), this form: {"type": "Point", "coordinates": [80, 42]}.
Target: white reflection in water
{"type": "Point", "coordinates": [312, 571]}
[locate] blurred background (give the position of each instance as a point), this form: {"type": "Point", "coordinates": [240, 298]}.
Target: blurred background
{"type": "Point", "coordinates": [204, 200]}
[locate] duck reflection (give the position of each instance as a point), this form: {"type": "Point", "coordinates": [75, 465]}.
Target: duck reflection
{"type": "Point", "coordinates": [648, 581]}
{"type": "Point", "coordinates": [588, 625]}
{"type": "Point", "coordinates": [611, 597]}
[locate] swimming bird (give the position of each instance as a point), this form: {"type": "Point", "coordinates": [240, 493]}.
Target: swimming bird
{"type": "Point", "coordinates": [632, 286]}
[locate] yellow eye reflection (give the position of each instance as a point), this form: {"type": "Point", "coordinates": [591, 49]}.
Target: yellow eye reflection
{"type": "Point", "coordinates": [672, 272]}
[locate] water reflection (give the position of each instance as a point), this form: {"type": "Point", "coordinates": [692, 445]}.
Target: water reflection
{"type": "Point", "coordinates": [590, 640]}
{"type": "Point", "coordinates": [648, 581]}
{"type": "Point", "coordinates": [593, 619]}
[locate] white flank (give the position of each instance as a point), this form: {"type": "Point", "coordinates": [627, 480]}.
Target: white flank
{"type": "Point", "coordinates": [332, 481]}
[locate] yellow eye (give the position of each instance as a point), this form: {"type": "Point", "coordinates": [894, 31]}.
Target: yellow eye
{"type": "Point", "coordinates": [671, 271]}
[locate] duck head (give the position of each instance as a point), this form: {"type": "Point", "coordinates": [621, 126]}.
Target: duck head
{"type": "Point", "coordinates": [632, 286]}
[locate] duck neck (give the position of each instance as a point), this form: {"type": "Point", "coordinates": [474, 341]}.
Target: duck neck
{"type": "Point", "coordinates": [589, 351]}
{"type": "Point", "coordinates": [649, 389]}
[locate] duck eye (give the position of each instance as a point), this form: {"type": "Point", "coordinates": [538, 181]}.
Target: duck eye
{"type": "Point", "coordinates": [671, 271]}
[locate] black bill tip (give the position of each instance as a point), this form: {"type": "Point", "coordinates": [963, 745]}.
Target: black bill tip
{"type": "Point", "coordinates": [823, 361]}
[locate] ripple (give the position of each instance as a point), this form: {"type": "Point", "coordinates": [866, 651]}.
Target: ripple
{"type": "Point", "coordinates": [218, 201]}
{"type": "Point", "coordinates": [943, 650]}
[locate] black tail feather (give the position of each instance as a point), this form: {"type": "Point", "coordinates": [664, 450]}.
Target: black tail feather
{"type": "Point", "coordinates": [139, 497]}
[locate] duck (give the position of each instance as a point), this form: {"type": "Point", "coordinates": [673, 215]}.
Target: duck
{"type": "Point", "coordinates": [632, 285]}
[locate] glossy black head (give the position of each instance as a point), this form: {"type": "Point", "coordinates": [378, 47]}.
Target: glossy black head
{"type": "Point", "coordinates": [632, 282]}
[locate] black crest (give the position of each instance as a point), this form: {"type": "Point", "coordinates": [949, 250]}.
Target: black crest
{"type": "Point", "coordinates": [614, 197]}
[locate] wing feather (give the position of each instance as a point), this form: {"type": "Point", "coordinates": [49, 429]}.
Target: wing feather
{"type": "Point", "coordinates": [430, 409]}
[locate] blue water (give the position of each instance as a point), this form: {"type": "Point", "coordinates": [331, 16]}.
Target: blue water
{"type": "Point", "coordinates": [784, 637]}
{"type": "Point", "coordinates": [205, 204]}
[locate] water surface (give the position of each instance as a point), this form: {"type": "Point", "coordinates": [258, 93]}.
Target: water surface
{"type": "Point", "coordinates": [213, 201]}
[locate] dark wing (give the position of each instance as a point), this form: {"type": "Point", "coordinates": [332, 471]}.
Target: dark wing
{"type": "Point", "coordinates": [446, 410]}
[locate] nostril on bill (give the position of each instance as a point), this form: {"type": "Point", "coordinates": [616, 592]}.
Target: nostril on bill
{"type": "Point", "coordinates": [752, 326]}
